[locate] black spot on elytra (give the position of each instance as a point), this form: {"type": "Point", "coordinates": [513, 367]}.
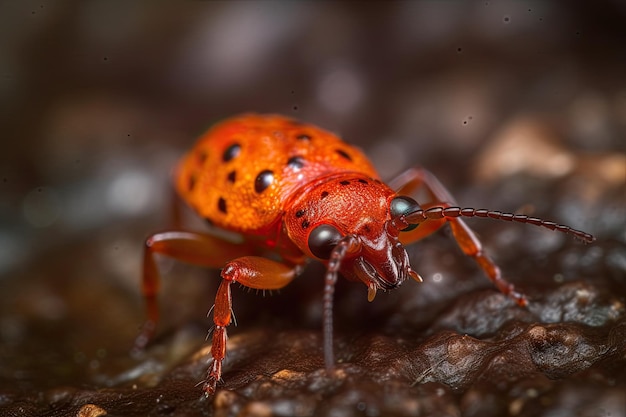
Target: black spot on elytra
{"type": "Point", "coordinates": [221, 205]}
{"type": "Point", "coordinates": [362, 181]}
{"type": "Point", "coordinates": [202, 156]}
{"type": "Point", "coordinates": [295, 162]}
{"type": "Point", "coordinates": [344, 182]}
{"type": "Point", "coordinates": [263, 180]}
{"type": "Point", "coordinates": [191, 183]}
{"type": "Point", "coordinates": [232, 175]}
{"type": "Point", "coordinates": [305, 224]}
{"type": "Point", "coordinates": [300, 213]}
{"type": "Point", "coordinates": [231, 152]}
{"type": "Point", "coordinates": [343, 154]}
{"type": "Point", "coordinates": [324, 194]}
{"type": "Point", "coordinates": [303, 136]}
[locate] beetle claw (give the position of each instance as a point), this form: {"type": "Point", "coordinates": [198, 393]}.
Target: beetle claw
{"type": "Point", "coordinates": [371, 292]}
{"type": "Point", "coordinates": [415, 276]}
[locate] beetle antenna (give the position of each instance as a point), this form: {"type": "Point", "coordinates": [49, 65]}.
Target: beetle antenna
{"type": "Point", "coordinates": [436, 213]}
{"type": "Point", "coordinates": [344, 246]}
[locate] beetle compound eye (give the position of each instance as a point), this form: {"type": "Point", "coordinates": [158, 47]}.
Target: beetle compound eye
{"type": "Point", "coordinates": [323, 239]}
{"type": "Point", "coordinates": [403, 205]}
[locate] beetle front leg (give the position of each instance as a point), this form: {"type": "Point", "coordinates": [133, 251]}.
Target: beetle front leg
{"type": "Point", "coordinates": [414, 178]}
{"type": "Point", "coordinates": [221, 317]}
{"type": "Point", "coordinates": [253, 272]}
{"type": "Point", "coordinates": [471, 246]}
{"type": "Point", "coordinates": [190, 247]}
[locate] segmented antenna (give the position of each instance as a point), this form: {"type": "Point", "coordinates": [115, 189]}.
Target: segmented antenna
{"type": "Point", "coordinates": [435, 213]}
{"type": "Point", "coordinates": [346, 245]}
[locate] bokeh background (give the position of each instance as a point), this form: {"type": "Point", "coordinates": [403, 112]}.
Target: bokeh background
{"type": "Point", "coordinates": [515, 105]}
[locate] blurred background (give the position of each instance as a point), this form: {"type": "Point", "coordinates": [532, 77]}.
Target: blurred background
{"type": "Point", "coordinates": [514, 105]}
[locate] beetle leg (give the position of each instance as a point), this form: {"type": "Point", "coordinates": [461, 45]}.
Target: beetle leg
{"type": "Point", "coordinates": [195, 248]}
{"type": "Point", "coordinates": [414, 178]}
{"type": "Point", "coordinates": [469, 243]}
{"type": "Point", "coordinates": [253, 272]}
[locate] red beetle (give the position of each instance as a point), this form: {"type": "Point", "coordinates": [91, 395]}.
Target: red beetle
{"type": "Point", "coordinates": [299, 192]}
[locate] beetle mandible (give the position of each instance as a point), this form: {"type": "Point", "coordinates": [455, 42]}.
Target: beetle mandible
{"type": "Point", "coordinates": [301, 193]}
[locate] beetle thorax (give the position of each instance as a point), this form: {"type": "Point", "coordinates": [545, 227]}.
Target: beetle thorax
{"type": "Point", "coordinates": [353, 204]}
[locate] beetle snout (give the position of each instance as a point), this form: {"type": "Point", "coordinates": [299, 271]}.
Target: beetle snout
{"type": "Point", "coordinates": [370, 274]}
{"type": "Point", "coordinates": [386, 269]}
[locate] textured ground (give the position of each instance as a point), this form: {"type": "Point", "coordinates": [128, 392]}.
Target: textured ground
{"type": "Point", "coordinates": [516, 106]}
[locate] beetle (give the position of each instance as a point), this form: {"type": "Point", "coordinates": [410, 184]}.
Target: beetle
{"type": "Point", "coordinates": [299, 192]}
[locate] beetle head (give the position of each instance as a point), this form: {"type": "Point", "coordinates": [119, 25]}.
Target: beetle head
{"type": "Point", "coordinates": [361, 211]}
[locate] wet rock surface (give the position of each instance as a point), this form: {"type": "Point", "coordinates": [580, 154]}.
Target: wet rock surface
{"type": "Point", "coordinates": [519, 107]}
